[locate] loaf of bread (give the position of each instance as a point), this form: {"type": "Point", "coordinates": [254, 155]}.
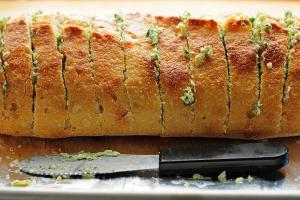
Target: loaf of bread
{"type": "Point", "coordinates": [133, 74]}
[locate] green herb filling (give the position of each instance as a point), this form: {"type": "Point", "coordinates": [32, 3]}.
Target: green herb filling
{"type": "Point", "coordinates": [182, 26]}
{"type": "Point", "coordinates": [90, 156]}
{"type": "Point", "coordinates": [20, 183]}
{"type": "Point", "coordinates": [205, 51]}
{"type": "Point", "coordinates": [188, 95]}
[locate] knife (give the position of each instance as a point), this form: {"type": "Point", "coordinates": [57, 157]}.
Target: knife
{"type": "Point", "coordinates": [240, 158]}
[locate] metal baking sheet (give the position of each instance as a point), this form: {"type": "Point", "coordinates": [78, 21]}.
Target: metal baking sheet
{"type": "Point", "coordinates": [282, 184]}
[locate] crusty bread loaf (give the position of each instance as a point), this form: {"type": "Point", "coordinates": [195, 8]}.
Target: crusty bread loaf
{"type": "Point", "coordinates": [267, 123]}
{"type": "Point", "coordinates": [50, 106]}
{"type": "Point", "coordinates": [242, 57]}
{"type": "Point", "coordinates": [141, 82]}
{"type": "Point", "coordinates": [210, 77]}
{"type": "Point", "coordinates": [18, 70]}
{"type": "Point", "coordinates": [174, 78]}
{"type": "Point", "coordinates": [149, 75]}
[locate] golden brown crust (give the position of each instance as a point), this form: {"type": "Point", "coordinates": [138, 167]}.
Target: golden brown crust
{"type": "Point", "coordinates": [242, 55]}
{"type": "Point", "coordinates": [141, 80]}
{"type": "Point", "coordinates": [174, 78]}
{"type": "Point", "coordinates": [108, 65]}
{"type": "Point", "coordinates": [82, 106]}
{"type": "Point", "coordinates": [267, 124]}
{"type": "Point", "coordinates": [50, 107]}
{"type": "Point", "coordinates": [290, 122]}
{"type": "Point", "coordinates": [18, 103]}
{"type": "Point", "coordinates": [210, 77]}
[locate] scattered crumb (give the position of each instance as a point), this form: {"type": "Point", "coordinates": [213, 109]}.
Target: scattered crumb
{"type": "Point", "coordinates": [269, 65]}
{"type": "Point", "coordinates": [20, 183]}
{"type": "Point", "coordinates": [250, 178]}
{"type": "Point", "coordinates": [239, 180]}
{"type": "Point", "coordinates": [198, 177]}
{"type": "Point", "coordinates": [59, 178]}
{"type": "Point", "coordinates": [222, 177]}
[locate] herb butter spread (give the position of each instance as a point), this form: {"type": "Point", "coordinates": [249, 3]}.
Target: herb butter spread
{"type": "Point", "coordinates": [188, 95]}
{"type": "Point", "coordinates": [120, 27]}
{"type": "Point", "coordinates": [182, 26]}
{"type": "Point", "coordinates": [222, 177]}
{"type": "Point", "coordinates": [256, 109]}
{"type": "Point", "coordinates": [186, 52]}
{"type": "Point", "coordinates": [291, 25]}
{"type": "Point", "coordinates": [205, 51]}
{"type": "Point", "coordinates": [90, 156]}
{"type": "Point", "coordinates": [153, 33]}
{"type": "Point", "coordinates": [198, 177]}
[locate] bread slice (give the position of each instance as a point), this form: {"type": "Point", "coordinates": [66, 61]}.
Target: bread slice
{"type": "Point", "coordinates": [108, 64]}
{"type": "Point", "coordinates": [174, 78]}
{"type": "Point", "coordinates": [141, 80]}
{"type": "Point", "coordinates": [290, 121]}
{"type": "Point", "coordinates": [18, 69]}
{"type": "Point", "coordinates": [210, 77]}
{"type": "Point", "coordinates": [50, 113]}
{"type": "Point", "coordinates": [242, 57]}
{"type": "Point", "coordinates": [83, 108]}
{"type": "Point", "coordinates": [273, 59]}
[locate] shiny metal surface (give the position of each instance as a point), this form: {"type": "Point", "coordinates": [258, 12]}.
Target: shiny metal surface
{"type": "Point", "coordinates": [284, 183]}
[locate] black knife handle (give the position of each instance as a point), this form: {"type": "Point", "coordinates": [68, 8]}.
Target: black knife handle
{"type": "Point", "coordinates": [245, 157]}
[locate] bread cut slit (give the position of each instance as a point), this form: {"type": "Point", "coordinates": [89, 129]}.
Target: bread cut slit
{"type": "Point", "coordinates": [222, 35]}
{"type": "Point", "coordinates": [34, 78]}
{"type": "Point", "coordinates": [210, 77]}
{"type": "Point", "coordinates": [142, 86]}
{"type": "Point", "coordinates": [2, 74]}
{"type": "Point", "coordinates": [57, 24]}
{"type": "Point", "coordinates": [174, 78]}
{"type": "Point", "coordinates": [18, 71]}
